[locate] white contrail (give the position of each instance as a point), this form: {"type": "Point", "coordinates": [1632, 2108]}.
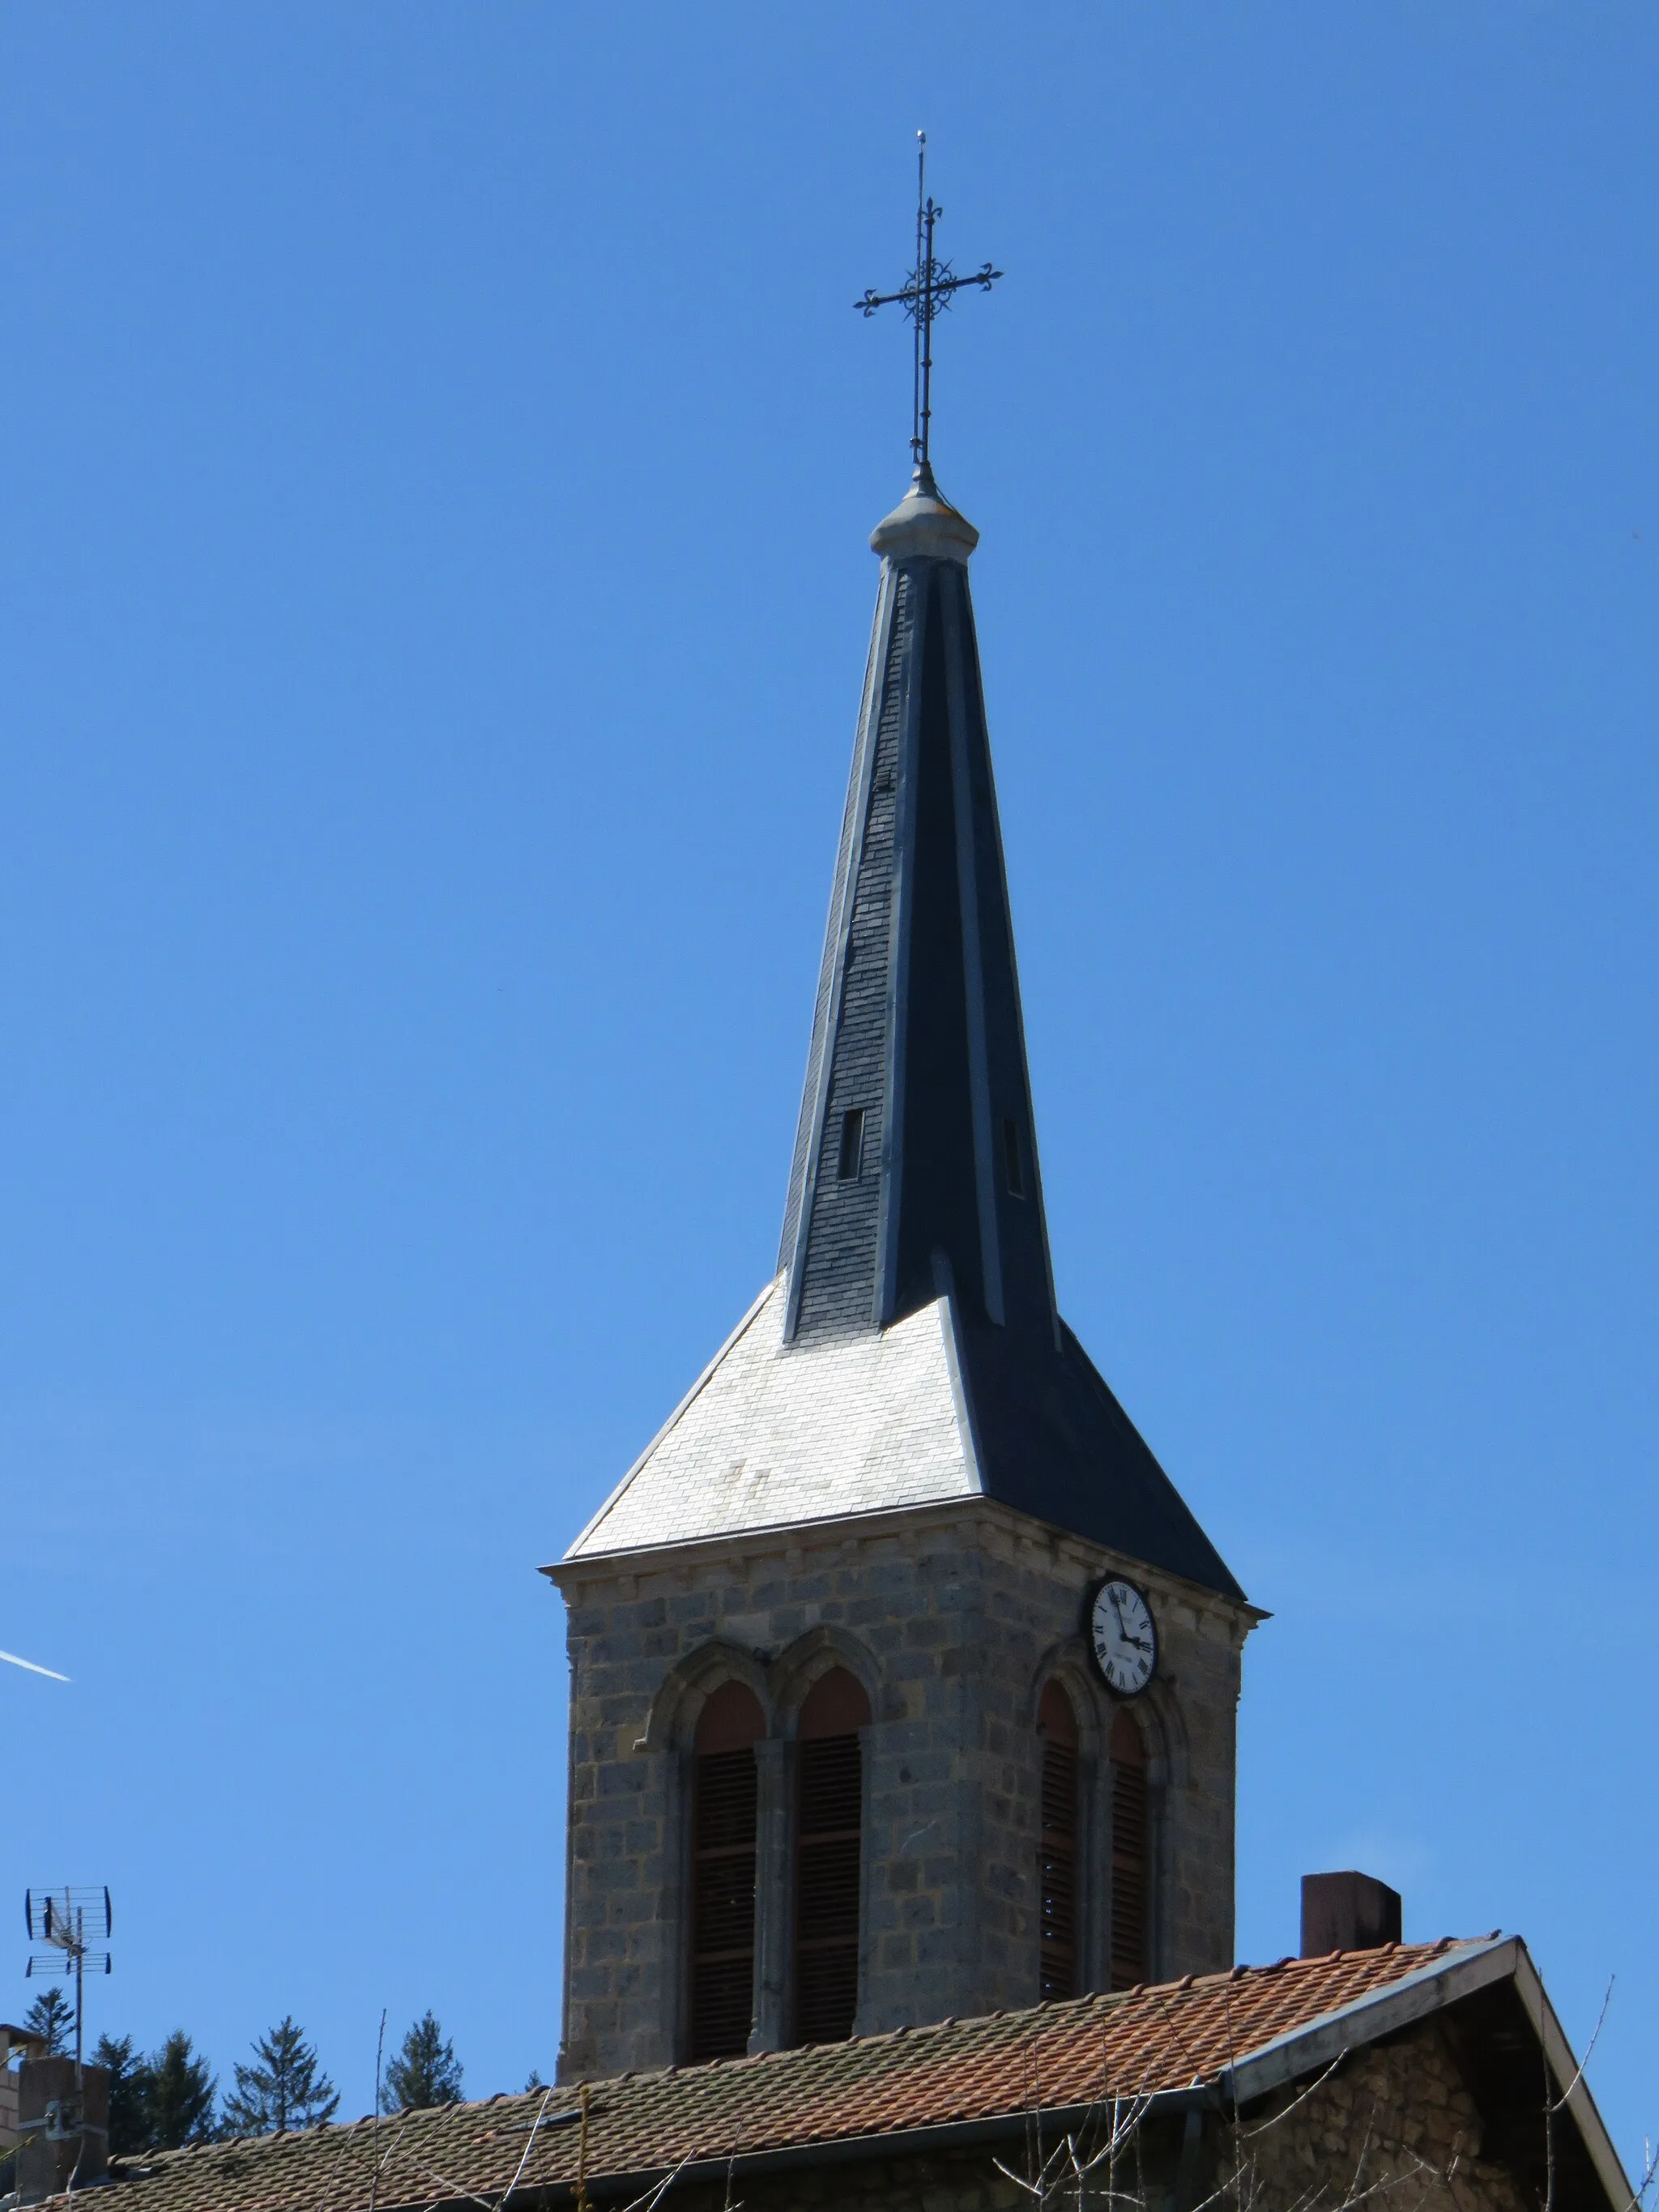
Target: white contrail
{"type": "Point", "coordinates": [33, 1668]}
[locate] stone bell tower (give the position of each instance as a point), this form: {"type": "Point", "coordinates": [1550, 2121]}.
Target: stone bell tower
{"type": "Point", "coordinates": [841, 1755]}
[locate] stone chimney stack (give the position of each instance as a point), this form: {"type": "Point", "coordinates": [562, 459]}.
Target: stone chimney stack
{"type": "Point", "coordinates": [16, 2044]}
{"type": "Point", "coordinates": [1347, 1912]}
{"type": "Point", "coordinates": [63, 2131]}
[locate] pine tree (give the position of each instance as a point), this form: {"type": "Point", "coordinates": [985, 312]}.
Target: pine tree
{"type": "Point", "coordinates": [178, 2092]}
{"type": "Point", "coordinates": [426, 2071]}
{"type": "Point", "coordinates": [282, 2090]}
{"type": "Point", "coordinates": [52, 2016]}
{"type": "Point", "coordinates": [128, 2072]}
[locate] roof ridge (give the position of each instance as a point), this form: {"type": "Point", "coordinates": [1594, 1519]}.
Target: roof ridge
{"type": "Point", "coordinates": [1058, 2007]}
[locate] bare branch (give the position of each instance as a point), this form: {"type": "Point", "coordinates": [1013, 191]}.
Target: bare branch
{"type": "Point", "coordinates": [654, 2195]}
{"type": "Point", "coordinates": [529, 2144]}
{"type": "Point", "coordinates": [1248, 2135]}
{"type": "Point", "coordinates": [375, 2117]}
{"type": "Point", "coordinates": [1600, 2019]}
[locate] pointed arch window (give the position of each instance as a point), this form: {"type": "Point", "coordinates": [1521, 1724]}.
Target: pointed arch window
{"type": "Point", "coordinates": [1057, 1845]}
{"type": "Point", "coordinates": [724, 1803]}
{"type": "Point", "coordinates": [829, 1856]}
{"type": "Point", "coordinates": [1131, 1854]}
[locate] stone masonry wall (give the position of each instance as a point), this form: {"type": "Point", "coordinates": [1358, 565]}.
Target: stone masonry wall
{"type": "Point", "coordinates": [1393, 2123]}
{"type": "Point", "coordinates": [954, 2181]}
{"type": "Point", "coordinates": [952, 1616]}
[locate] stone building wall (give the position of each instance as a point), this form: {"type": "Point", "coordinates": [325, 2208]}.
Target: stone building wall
{"type": "Point", "coordinates": [1393, 2123]}
{"type": "Point", "coordinates": [950, 2181]}
{"type": "Point", "coordinates": [952, 1616]}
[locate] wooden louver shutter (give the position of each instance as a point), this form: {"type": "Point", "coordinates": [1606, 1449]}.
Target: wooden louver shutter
{"type": "Point", "coordinates": [1130, 1866]}
{"type": "Point", "coordinates": [829, 1849]}
{"type": "Point", "coordinates": [723, 1813]}
{"type": "Point", "coordinates": [1057, 1848]}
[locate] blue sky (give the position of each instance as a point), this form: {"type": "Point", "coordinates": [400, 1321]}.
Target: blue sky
{"type": "Point", "coordinates": [436, 453]}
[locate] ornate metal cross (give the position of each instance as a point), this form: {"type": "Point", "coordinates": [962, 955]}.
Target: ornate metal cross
{"type": "Point", "coordinates": [927, 292]}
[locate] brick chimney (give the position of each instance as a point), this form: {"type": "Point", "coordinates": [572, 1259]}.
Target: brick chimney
{"type": "Point", "coordinates": [65, 2131]}
{"type": "Point", "coordinates": [1347, 1912]}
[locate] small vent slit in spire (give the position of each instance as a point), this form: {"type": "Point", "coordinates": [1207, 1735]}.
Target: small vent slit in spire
{"type": "Point", "coordinates": [851, 1162]}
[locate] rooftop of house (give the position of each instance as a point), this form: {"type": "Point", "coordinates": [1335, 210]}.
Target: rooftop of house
{"type": "Point", "coordinates": [1220, 2040]}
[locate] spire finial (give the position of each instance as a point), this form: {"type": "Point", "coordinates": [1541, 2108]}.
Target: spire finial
{"type": "Point", "coordinates": [927, 291]}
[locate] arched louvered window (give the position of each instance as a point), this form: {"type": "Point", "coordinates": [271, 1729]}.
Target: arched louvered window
{"type": "Point", "coordinates": [828, 1843]}
{"type": "Point", "coordinates": [1057, 1845]}
{"type": "Point", "coordinates": [1130, 1854]}
{"type": "Point", "coordinates": [723, 1808]}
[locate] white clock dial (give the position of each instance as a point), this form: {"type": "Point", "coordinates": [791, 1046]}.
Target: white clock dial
{"type": "Point", "coordinates": [1124, 1637]}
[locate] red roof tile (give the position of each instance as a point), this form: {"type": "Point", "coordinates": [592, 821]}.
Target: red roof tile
{"type": "Point", "coordinates": [1170, 2036]}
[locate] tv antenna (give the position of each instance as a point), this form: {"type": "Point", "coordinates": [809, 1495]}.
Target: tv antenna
{"type": "Point", "coordinates": [64, 1924]}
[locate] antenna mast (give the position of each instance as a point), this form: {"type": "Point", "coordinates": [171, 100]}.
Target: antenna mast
{"type": "Point", "coordinates": [64, 1923]}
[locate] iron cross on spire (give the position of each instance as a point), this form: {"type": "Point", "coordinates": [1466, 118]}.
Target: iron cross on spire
{"type": "Point", "coordinates": [927, 292]}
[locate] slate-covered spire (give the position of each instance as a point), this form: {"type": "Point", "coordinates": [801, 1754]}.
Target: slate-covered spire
{"type": "Point", "coordinates": [915, 1180]}
{"type": "Point", "coordinates": [915, 1164]}
{"type": "Point", "coordinates": [908, 1353]}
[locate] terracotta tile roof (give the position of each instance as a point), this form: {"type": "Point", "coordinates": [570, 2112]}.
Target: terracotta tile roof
{"type": "Point", "coordinates": [1171, 2036]}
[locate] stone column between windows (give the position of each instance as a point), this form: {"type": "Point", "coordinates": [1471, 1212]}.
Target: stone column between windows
{"type": "Point", "coordinates": [1155, 1937]}
{"type": "Point", "coordinates": [774, 1895]}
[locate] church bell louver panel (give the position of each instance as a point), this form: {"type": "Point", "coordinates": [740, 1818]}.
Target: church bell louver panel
{"type": "Point", "coordinates": [726, 1800]}
{"type": "Point", "coordinates": [1057, 1871]}
{"type": "Point", "coordinates": [827, 1845]}
{"type": "Point", "coordinates": [1129, 1856]}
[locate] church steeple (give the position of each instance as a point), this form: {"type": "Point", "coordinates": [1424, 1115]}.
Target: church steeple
{"type": "Point", "coordinates": [909, 1350]}
{"type": "Point", "coordinates": [915, 1164]}
{"type": "Point", "coordinates": [843, 1758]}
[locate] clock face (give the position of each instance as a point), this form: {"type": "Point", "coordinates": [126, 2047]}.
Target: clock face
{"type": "Point", "coordinates": [1124, 1637]}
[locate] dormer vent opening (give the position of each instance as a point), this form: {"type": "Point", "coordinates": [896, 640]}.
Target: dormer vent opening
{"type": "Point", "coordinates": [850, 1162]}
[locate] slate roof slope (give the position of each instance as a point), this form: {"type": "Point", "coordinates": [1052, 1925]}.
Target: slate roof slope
{"type": "Point", "coordinates": [776, 1435]}
{"type": "Point", "coordinates": [873, 2091]}
{"type": "Point", "coordinates": [910, 1349]}
{"type": "Point", "coordinates": [1055, 1443]}
{"type": "Point", "coordinates": [773, 1434]}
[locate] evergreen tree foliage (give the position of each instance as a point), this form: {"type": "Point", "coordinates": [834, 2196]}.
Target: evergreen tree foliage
{"type": "Point", "coordinates": [283, 2088]}
{"type": "Point", "coordinates": [426, 2071]}
{"type": "Point", "coordinates": [178, 2094]}
{"type": "Point", "coordinates": [129, 2075]}
{"type": "Point", "coordinates": [51, 2015]}
{"type": "Point", "coordinates": [535, 2082]}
